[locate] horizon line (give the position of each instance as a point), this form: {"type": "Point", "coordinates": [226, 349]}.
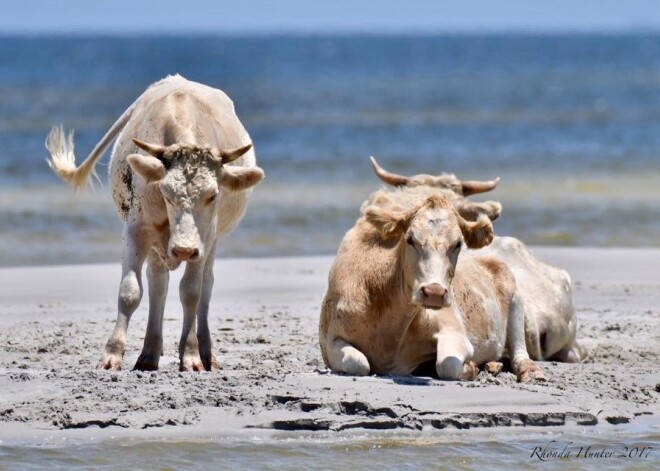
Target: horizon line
{"type": "Point", "coordinates": [294, 32]}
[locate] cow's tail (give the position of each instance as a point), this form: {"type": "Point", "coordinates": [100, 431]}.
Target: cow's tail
{"type": "Point", "coordinates": [63, 161]}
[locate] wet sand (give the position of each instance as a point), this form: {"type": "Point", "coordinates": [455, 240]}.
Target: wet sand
{"type": "Point", "coordinates": [264, 322]}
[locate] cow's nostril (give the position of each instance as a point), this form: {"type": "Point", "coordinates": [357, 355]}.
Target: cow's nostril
{"type": "Point", "coordinates": [434, 289]}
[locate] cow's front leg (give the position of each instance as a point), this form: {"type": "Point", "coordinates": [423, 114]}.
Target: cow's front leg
{"type": "Point", "coordinates": [345, 358]}
{"type": "Point", "coordinates": [158, 277]}
{"type": "Point", "coordinates": [523, 366]}
{"type": "Point", "coordinates": [134, 250]}
{"type": "Point", "coordinates": [190, 291]}
{"type": "Point", "coordinates": [203, 333]}
{"type": "Point", "coordinates": [454, 355]}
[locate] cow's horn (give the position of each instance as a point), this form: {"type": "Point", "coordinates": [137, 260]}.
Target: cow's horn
{"type": "Point", "coordinates": [472, 187]}
{"type": "Point", "coordinates": [388, 177]}
{"type": "Point", "coordinates": [230, 155]}
{"type": "Point", "coordinates": [152, 149]}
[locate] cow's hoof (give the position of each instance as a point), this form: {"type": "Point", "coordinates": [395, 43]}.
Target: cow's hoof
{"type": "Point", "coordinates": [531, 372]}
{"type": "Point", "coordinates": [191, 363]}
{"type": "Point", "coordinates": [110, 362]}
{"type": "Point", "coordinates": [494, 367]}
{"type": "Point", "coordinates": [470, 371]}
{"type": "Point", "coordinates": [213, 365]}
{"type": "Point", "coordinates": [146, 362]}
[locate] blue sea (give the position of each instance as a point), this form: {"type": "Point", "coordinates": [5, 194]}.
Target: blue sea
{"type": "Point", "coordinates": [570, 123]}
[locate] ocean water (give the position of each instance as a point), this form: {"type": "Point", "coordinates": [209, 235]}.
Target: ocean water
{"type": "Point", "coordinates": [478, 450]}
{"type": "Point", "coordinates": [570, 123]}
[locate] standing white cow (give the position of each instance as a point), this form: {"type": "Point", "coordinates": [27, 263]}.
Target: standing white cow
{"type": "Point", "coordinates": [188, 188]}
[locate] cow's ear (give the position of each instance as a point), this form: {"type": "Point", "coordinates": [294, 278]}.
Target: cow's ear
{"type": "Point", "coordinates": [149, 168]}
{"type": "Point", "coordinates": [382, 200]}
{"type": "Point", "coordinates": [240, 178]}
{"type": "Point", "coordinates": [477, 234]}
{"type": "Point", "coordinates": [390, 224]}
{"type": "Point", "coordinates": [471, 211]}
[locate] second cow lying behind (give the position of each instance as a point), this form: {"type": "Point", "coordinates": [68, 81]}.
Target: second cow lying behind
{"type": "Point", "coordinates": [545, 290]}
{"type": "Point", "coordinates": [389, 309]}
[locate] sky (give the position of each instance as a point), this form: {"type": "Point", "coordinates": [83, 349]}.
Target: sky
{"type": "Point", "coordinates": [322, 16]}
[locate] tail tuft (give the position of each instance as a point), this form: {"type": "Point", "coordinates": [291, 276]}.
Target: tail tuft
{"type": "Point", "coordinates": [63, 160]}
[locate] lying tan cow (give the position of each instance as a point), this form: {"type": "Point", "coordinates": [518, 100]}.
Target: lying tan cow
{"type": "Point", "coordinates": [545, 291]}
{"type": "Point", "coordinates": [399, 295]}
{"type": "Point", "coordinates": [181, 171]}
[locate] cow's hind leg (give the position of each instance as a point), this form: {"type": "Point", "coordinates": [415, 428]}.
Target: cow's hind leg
{"type": "Point", "coordinates": [345, 358]}
{"type": "Point", "coordinates": [523, 366]}
{"type": "Point", "coordinates": [158, 277]}
{"type": "Point", "coordinates": [189, 291]}
{"type": "Point", "coordinates": [203, 334]}
{"type": "Point", "coordinates": [575, 354]}
{"type": "Point", "coordinates": [134, 251]}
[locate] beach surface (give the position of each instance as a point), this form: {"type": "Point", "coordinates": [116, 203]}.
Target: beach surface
{"type": "Point", "coordinates": [55, 320]}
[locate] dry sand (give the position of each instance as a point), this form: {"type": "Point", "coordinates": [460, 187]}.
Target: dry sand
{"type": "Point", "coordinates": [55, 320]}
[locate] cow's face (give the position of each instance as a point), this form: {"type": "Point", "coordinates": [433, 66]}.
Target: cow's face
{"type": "Point", "coordinates": [191, 180]}
{"type": "Point", "coordinates": [431, 237]}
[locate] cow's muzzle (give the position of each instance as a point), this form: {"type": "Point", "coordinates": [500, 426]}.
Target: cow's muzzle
{"type": "Point", "coordinates": [185, 254]}
{"type": "Point", "coordinates": [434, 296]}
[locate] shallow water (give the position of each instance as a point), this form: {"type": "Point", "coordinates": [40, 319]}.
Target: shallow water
{"type": "Point", "coordinates": [498, 450]}
{"type": "Point", "coordinates": [47, 224]}
{"type": "Point", "coordinates": [570, 123]}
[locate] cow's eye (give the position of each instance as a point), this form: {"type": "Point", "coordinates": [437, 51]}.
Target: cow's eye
{"type": "Point", "coordinates": [410, 241]}
{"type": "Point", "coordinates": [211, 198]}
{"type": "Point", "coordinates": [457, 247]}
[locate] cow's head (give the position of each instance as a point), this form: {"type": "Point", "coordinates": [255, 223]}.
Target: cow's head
{"type": "Point", "coordinates": [430, 239]}
{"type": "Point", "coordinates": [191, 180]}
{"type": "Point", "coordinates": [445, 183]}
